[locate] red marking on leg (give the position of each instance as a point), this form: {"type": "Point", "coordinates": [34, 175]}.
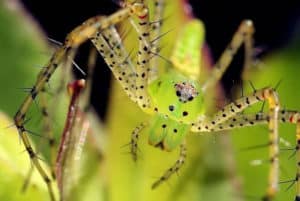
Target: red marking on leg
{"type": "Point", "coordinates": [143, 16]}
{"type": "Point", "coordinates": [263, 94]}
{"type": "Point", "coordinates": [292, 118]}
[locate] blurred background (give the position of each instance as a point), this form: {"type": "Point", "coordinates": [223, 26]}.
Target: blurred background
{"type": "Point", "coordinates": [113, 176]}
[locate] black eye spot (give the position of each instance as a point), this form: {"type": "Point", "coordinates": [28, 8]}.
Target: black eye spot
{"type": "Point", "coordinates": [171, 108]}
{"type": "Point", "coordinates": [175, 130]}
{"type": "Point", "coordinates": [178, 93]}
{"type": "Point", "coordinates": [185, 113]}
{"type": "Point", "coordinates": [190, 98]}
{"type": "Point", "coordinates": [164, 126]}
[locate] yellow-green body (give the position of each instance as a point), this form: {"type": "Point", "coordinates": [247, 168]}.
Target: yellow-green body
{"type": "Point", "coordinates": [174, 117]}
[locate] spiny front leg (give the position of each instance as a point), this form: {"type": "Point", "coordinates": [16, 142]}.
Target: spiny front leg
{"type": "Point", "coordinates": [109, 45]}
{"type": "Point", "coordinates": [73, 40]}
{"type": "Point", "coordinates": [177, 165]}
{"type": "Point", "coordinates": [156, 24]}
{"type": "Point", "coordinates": [143, 58]}
{"type": "Point", "coordinates": [244, 34]}
{"type": "Point", "coordinates": [231, 110]}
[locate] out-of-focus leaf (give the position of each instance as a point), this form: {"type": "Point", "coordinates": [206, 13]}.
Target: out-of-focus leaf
{"type": "Point", "coordinates": [15, 163]}
{"type": "Point", "coordinates": [23, 51]}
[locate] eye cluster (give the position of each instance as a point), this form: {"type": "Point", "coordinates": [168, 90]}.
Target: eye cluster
{"type": "Point", "coordinates": [185, 91]}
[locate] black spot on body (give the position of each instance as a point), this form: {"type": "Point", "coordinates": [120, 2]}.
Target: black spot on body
{"type": "Point", "coordinates": [185, 113]}
{"type": "Point", "coordinates": [171, 108]}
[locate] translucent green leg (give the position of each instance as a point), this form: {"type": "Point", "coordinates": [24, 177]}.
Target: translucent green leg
{"type": "Point", "coordinates": [176, 166]}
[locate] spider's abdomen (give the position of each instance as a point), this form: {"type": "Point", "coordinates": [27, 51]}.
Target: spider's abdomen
{"type": "Point", "coordinates": [166, 133]}
{"type": "Point", "coordinates": [177, 97]}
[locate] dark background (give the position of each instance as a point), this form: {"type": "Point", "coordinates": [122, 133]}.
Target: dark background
{"type": "Point", "coordinates": [275, 24]}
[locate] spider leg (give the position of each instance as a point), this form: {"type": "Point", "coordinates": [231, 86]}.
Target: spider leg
{"type": "Point", "coordinates": [245, 120]}
{"type": "Point", "coordinates": [142, 69]}
{"type": "Point", "coordinates": [176, 166]}
{"type": "Point", "coordinates": [244, 34]}
{"type": "Point", "coordinates": [134, 140]}
{"type": "Point", "coordinates": [117, 59]}
{"type": "Point", "coordinates": [156, 24]}
{"type": "Point", "coordinates": [73, 40]}
{"type": "Point", "coordinates": [231, 110]}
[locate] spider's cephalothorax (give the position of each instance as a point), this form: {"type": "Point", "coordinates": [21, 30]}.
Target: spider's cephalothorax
{"type": "Point", "coordinates": [178, 101]}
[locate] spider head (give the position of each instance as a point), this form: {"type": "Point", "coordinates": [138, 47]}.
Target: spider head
{"type": "Point", "coordinates": [177, 97]}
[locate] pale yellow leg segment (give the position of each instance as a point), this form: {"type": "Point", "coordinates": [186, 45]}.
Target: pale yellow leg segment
{"type": "Point", "coordinates": [244, 34]}
{"type": "Point", "coordinates": [177, 165]}
{"type": "Point", "coordinates": [48, 132]}
{"type": "Point", "coordinates": [134, 140]}
{"type": "Point", "coordinates": [231, 110]}
{"type": "Point", "coordinates": [109, 45]}
{"type": "Point", "coordinates": [73, 40]}
{"type": "Point", "coordinates": [142, 68]}
{"type": "Point", "coordinates": [156, 24]}
{"type": "Point", "coordinates": [246, 120]}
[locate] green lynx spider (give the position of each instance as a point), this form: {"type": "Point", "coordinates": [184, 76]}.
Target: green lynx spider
{"type": "Point", "coordinates": [174, 99]}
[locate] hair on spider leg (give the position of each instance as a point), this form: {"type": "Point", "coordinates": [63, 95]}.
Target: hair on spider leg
{"type": "Point", "coordinates": [252, 86]}
{"type": "Point", "coordinates": [36, 134]}
{"type": "Point", "coordinates": [125, 32]}
{"type": "Point", "coordinates": [278, 84]}
{"type": "Point", "coordinates": [161, 36]}
{"type": "Point", "coordinates": [59, 44]}
{"type": "Point", "coordinates": [78, 67]}
{"type": "Point", "coordinates": [254, 147]}
{"type": "Point", "coordinates": [55, 42]}
{"type": "Point", "coordinates": [292, 181]}
{"type": "Point", "coordinates": [35, 155]}
{"type": "Point", "coordinates": [162, 57]}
